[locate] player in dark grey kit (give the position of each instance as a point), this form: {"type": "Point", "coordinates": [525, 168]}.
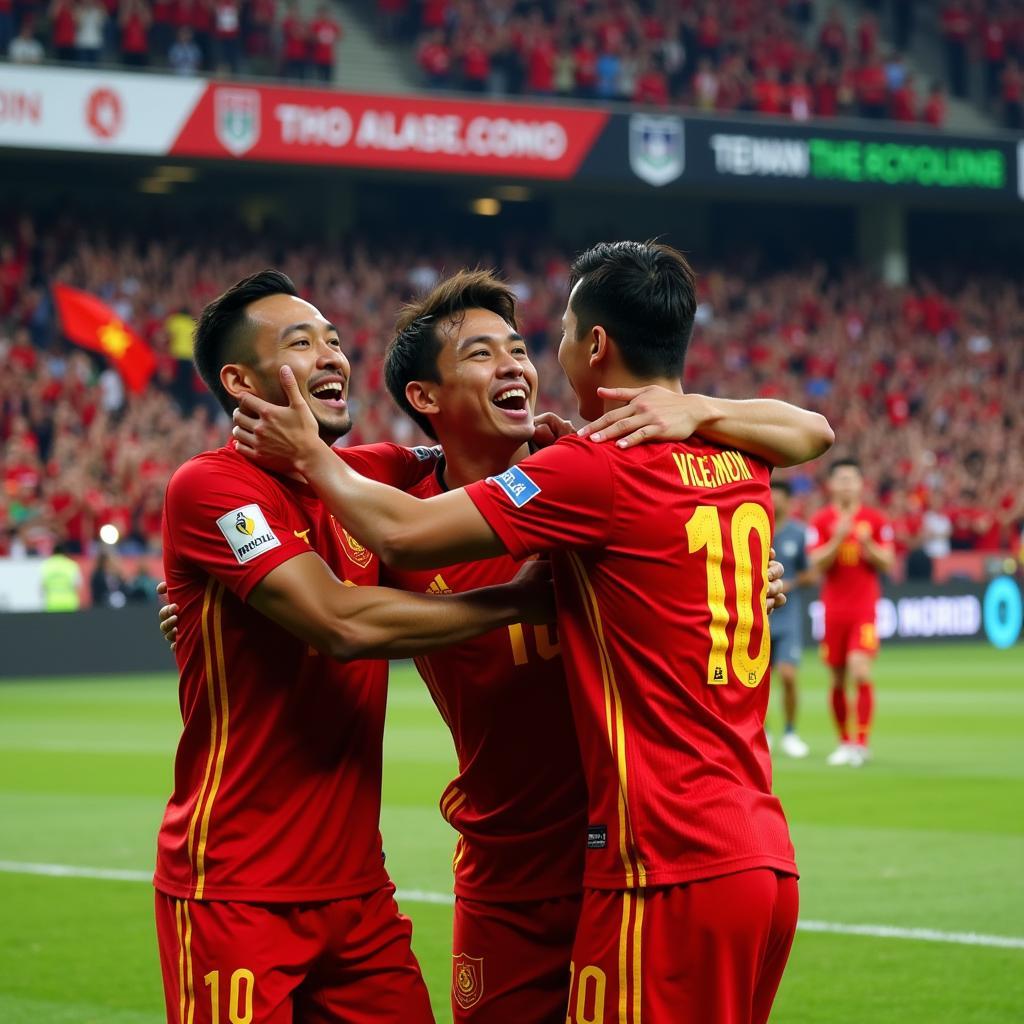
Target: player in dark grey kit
{"type": "Point", "coordinates": [787, 623]}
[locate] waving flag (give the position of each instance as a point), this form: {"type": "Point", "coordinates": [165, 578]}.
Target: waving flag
{"type": "Point", "coordinates": [88, 322]}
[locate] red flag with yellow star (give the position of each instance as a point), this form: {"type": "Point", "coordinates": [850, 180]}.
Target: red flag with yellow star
{"type": "Point", "coordinates": [88, 322]}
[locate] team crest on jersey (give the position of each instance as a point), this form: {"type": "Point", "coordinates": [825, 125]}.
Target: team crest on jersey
{"type": "Point", "coordinates": [467, 979]}
{"type": "Point", "coordinates": [356, 552]}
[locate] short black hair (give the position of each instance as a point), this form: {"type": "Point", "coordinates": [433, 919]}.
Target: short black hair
{"type": "Point", "coordinates": [644, 294]}
{"type": "Point", "coordinates": [782, 485]}
{"type": "Point", "coordinates": [412, 354]}
{"type": "Point", "coordinates": [224, 331]}
{"type": "Point", "coordinates": [848, 460]}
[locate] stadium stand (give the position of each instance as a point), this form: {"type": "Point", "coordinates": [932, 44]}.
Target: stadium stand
{"type": "Point", "coordinates": [228, 37]}
{"type": "Point", "coordinates": [764, 56]}
{"type": "Point", "coordinates": [922, 383]}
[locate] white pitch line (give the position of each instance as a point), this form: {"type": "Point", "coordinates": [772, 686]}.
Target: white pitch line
{"type": "Point", "coordinates": [874, 931]}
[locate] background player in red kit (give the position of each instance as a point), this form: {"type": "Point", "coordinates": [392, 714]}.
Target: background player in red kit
{"type": "Point", "coordinates": [660, 556]}
{"type": "Point", "coordinates": [460, 369]}
{"type": "Point", "coordinates": [272, 900]}
{"type": "Point", "coordinates": [850, 544]}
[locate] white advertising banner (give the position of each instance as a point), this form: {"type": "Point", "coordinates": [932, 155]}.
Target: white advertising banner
{"type": "Point", "coordinates": [93, 111]}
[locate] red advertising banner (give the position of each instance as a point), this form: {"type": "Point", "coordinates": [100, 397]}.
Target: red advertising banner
{"type": "Point", "coordinates": [290, 125]}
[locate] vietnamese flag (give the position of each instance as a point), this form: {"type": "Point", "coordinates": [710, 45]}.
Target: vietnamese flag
{"type": "Point", "coordinates": [88, 322]}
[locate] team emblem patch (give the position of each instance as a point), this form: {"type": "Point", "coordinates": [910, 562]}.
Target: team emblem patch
{"type": "Point", "coordinates": [237, 119]}
{"type": "Point", "coordinates": [247, 532]}
{"type": "Point", "coordinates": [467, 979]}
{"type": "Point", "coordinates": [356, 552]}
{"type": "Point", "coordinates": [517, 485]}
{"type": "Point", "coordinates": [656, 148]}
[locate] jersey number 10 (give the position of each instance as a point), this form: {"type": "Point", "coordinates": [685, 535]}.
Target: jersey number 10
{"type": "Point", "coordinates": [704, 530]}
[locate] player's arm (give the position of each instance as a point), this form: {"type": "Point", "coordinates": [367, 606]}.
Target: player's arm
{"type": "Point", "coordinates": [780, 433]}
{"type": "Point", "coordinates": [404, 531]}
{"type": "Point", "coordinates": [823, 556]}
{"type": "Point", "coordinates": [303, 596]}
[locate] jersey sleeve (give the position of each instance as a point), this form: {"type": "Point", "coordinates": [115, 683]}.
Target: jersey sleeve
{"type": "Point", "coordinates": [561, 497]}
{"type": "Point", "coordinates": [229, 524]}
{"type": "Point", "coordinates": [392, 464]}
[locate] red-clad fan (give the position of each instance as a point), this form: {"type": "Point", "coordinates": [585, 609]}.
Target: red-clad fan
{"type": "Point", "coordinates": [294, 42]}
{"type": "Point", "coordinates": [660, 560]}
{"type": "Point", "coordinates": [325, 33]}
{"type": "Point", "coordinates": [850, 544]}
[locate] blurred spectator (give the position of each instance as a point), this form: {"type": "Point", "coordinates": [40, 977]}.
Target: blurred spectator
{"type": "Point", "coordinates": [325, 33]}
{"type": "Point", "coordinates": [107, 586]}
{"type": "Point", "coordinates": [8, 28]}
{"type": "Point", "coordinates": [185, 57]}
{"type": "Point", "coordinates": [436, 60]}
{"type": "Point", "coordinates": [227, 35]}
{"type": "Point", "coordinates": [258, 20]}
{"type": "Point", "coordinates": [134, 20]}
{"type": "Point", "coordinates": [62, 29]}
{"type": "Point", "coordinates": [25, 48]}
{"type": "Point", "coordinates": [295, 43]}
{"type": "Point", "coordinates": [934, 112]}
{"type": "Point", "coordinates": [956, 31]}
{"type": "Point", "coordinates": [90, 19]}
{"type": "Point", "coordinates": [651, 85]}
{"type": "Point", "coordinates": [1013, 95]}
{"type": "Point", "coordinates": [61, 581]}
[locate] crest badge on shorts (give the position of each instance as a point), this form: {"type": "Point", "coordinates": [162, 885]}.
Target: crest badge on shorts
{"type": "Point", "coordinates": [236, 119]}
{"type": "Point", "coordinates": [656, 148]}
{"type": "Point", "coordinates": [467, 979]}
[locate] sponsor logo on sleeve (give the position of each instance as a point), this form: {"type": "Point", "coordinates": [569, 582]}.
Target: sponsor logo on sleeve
{"type": "Point", "coordinates": [247, 532]}
{"type": "Point", "coordinates": [517, 485]}
{"type": "Point", "coordinates": [425, 454]}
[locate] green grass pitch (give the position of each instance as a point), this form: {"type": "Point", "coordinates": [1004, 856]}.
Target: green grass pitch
{"type": "Point", "coordinates": [930, 835]}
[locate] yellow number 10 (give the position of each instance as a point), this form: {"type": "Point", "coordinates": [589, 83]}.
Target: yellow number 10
{"type": "Point", "coordinates": [704, 530]}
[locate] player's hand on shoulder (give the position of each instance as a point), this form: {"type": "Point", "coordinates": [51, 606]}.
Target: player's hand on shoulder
{"type": "Point", "coordinates": [776, 598]}
{"type": "Point", "coordinates": [549, 427]}
{"type": "Point", "coordinates": [278, 437]}
{"type": "Point", "coordinates": [168, 616]}
{"type": "Point", "coordinates": [535, 592]}
{"type": "Point", "coordinates": [650, 413]}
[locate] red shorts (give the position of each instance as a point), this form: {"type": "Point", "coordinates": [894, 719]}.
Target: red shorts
{"type": "Point", "coordinates": [510, 961]}
{"type": "Point", "coordinates": [340, 962]}
{"type": "Point", "coordinates": [710, 952]}
{"type": "Point", "coordinates": [845, 634]}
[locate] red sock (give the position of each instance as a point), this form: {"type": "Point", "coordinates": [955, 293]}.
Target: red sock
{"type": "Point", "coordinates": [839, 712]}
{"type": "Point", "coordinates": [865, 711]}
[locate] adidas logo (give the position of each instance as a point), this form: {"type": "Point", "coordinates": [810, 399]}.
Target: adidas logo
{"type": "Point", "coordinates": [438, 586]}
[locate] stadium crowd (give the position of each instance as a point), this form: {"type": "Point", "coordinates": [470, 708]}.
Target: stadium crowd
{"type": "Point", "coordinates": [755, 55]}
{"type": "Point", "coordinates": [921, 383]}
{"type": "Point", "coordinates": [987, 35]}
{"type": "Point", "coordinates": [259, 37]}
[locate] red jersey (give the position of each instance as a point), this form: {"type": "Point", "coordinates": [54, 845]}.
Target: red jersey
{"type": "Point", "coordinates": [851, 584]}
{"type": "Point", "coordinates": [660, 557]}
{"type": "Point", "coordinates": [519, 802]}
{"type": "Point", "coordinates": [278, 772]}
{"type": "Point", "coordinates": [324, 33]}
